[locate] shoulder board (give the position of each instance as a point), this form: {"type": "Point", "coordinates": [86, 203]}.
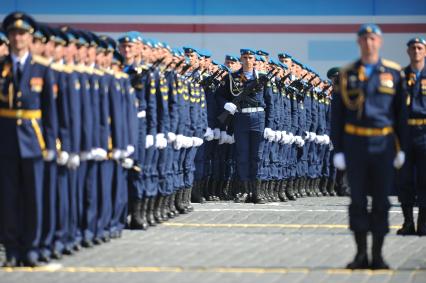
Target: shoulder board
{"type": "Point", "coordinates": [40, 60]}
{"type": "Point", "coordinates": [109, 72]}
{"type": "Point", "coordinates": [88, 70]}
{"type": "Point", "coordinates": [391, 64]}
{"type": "Point", "coordinates": [348, 67]}
{"type": "Point", "coordinates": [57, 67]}
{"type": "Point", "coordinates": [124, 75]}
{"type": "Point", "coordinates": [98, 72]}
{"type": "Point", "coordinates": [68, 68]}
{"type": "Point", "coordinates": [79, 68]}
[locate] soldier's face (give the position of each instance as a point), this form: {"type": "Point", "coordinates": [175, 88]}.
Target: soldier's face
{"type": "Point", "coordinates": [370, 44]}
{"type": "Point", "coordinates": [70, 52]}
{"type": "Point", "coordinates": [248, 61]}
{"type": "Point", "coordinates": [19, 39]}
{"type": "Point", "coordinates": [59, 52]}
{"type": "Point", "coordinates": [49, 49]}
{"type": "Point", "coordinates": [231, 64]}
{"type": "Point", "coordinates": [128, 49]}
{"type": "Point", "coordinates": [37, 47]}
{"type": "Point", "coordinates": [193, 58]}
{"type": "Point", "coordinates": [416, 52]}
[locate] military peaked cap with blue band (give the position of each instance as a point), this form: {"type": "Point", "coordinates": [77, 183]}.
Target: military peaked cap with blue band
{"type": "Point", "coordinates": [369, 28]}
{"type": "Point", "coordinates": [19, 20]}
{"type": "Point", "coordinates": [416, 40]}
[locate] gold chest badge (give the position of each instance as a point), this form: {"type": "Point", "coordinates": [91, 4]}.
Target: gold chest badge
{"type": "Point", "coordinates": [386, 80]}
{"type": "Point", "coordinates": [36, 84]}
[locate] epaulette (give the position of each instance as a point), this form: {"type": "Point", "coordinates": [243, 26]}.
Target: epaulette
{"type": "Point", "coordinates": [124, 75]}
{"type": "Point", "coordinates": [68, 68]}
{"type": "Point", "coordinates": [98, 72]}
{"type": "Point", "coordinates": [57, 67]}
{"type": "Point", "coordinates": [391, 64]}
{"type": "Point", "coordinates": [110, 72]}
{"type": "Point", "coordinates": [40, 60]}
{"type": "Point", "coordinates": [88, 70]}
{"type": "Point", "coordinates": [80, 68]}
{"type": "Point", "coordinates": [348, 67]}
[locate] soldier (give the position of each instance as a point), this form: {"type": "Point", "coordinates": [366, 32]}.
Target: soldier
{"type": "Point", "coordinates": [413, 187]}
{"type": "Point", "coordinates": [28, 117]}
{"type": "Point", "coordinates": [251, 123]}
{"type": "Point", "coordinates": [369, 118]}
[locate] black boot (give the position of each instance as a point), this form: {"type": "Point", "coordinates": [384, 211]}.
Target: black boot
{"type": "Point", "coordinates": [323, 186]}
{"type": "Point", "coordinates": [317, 182]}
{"type": "Point", "coordinates": [172, 208]}
{"type": "Point", "coordinates": [196, 195]}
{"type": "Point", "coordinates": [187, 199]}
{"type": "Point", "coordinates": [421, 222]}
{"type": "Point", "coordinates": [164, 208]}
{"type": "Point", "coordinates": [302, 186]}
{"type": "Point", "coordinates": [378, 261]}
{"type": "Point", "coordinates": [276, 190]}
{"type": "Point", "coordinates": [256, 192]}
{"type": "Point", "coordinates": [150, 212]}
{"type": "Point", "coordinates": [331, 187]}
{"type": "Point", "coordinates": [309, 187]}
{"type": "Point", "coordinates": [408, 227]}
{"type": "Point", "coordinates": [361, 259]}
{"type": "Point", "coordinates": [179, 202]}
{"type": "Point", "coordinates": [136, 221]}
{"type": "Point", "coordinates": [144, 213]}
{"type": "Point", "coordinates": [282, 190]}
{"type": "Point", "coordinates": [242, 192]}
{"type": "Point", "coordinates": [212, 190]}
{"type": "Point", "coordinates": [290, 190]}
{"type": "Point", "coordinates": [157, 209]}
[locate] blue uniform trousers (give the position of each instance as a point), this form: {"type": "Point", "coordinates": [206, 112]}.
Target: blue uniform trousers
{"type": "Point", "coordinates": [21, 185]}
{"type": "Point", "coordinates": [62, 209]}
{"type": "Point", "coordinates": [370, 171]}
{"type": "Point", "coordinates": [49, 207]}
{"type": "Point", "coordinates": [249, 144]}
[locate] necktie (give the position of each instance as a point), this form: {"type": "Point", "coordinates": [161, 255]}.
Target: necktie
{"type": "Point", "coordinates": [18, 73]}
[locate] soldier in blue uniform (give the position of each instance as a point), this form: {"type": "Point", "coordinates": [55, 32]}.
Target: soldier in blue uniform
{"type": "Point", "coordinates": [251, 123]}
{"type": "Point", "coordinates": [28, 116]}
{"type": "Point", "coordinates": [369, 119]}
{"type": "Point", "coordinates": [413, 187]}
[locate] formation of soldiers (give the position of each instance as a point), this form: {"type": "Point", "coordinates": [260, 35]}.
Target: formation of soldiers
{"type": "Point", "coordinates": [103, 134]}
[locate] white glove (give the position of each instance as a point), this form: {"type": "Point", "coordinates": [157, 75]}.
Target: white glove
{"type": "Point", "coordinates": [307, 136]}
{"type": "Point", "coordinates": [171, 137]}
{"type": "Point", "coordinates": [209, 135]}
{"type": "Point", "coordinates": [188, 142]}
{"type": "Point", "coordinates": [127, 163]}
{"type": "Point", "coordinates": [268, 133]}
{"type": "Point", "coordinates": [292, 138]}
{"type": "Point", "coordinates": [278, 136]}
{"type": "Point", "coordinates": [216, 133]}
{"type": "Point", "coordinates": [326, 139]}
{"type": "Point", "coordinates": [129, 150]}
{"type": "Point", "coordinates": [299, 141]}
{"type": "Point", "coordinates": [197, 141]}
{"type": "Point", "coordinates": [231, 139]}
{"type": "Point", "coordinates": [339, 161]}
{"type": "Point", "coordinates": [223, 137]}
{"type": "Point", "coordinates": [312, 136]}
{"type": "Point", "coordinates": [100, 154]}
{"type": "Point", "coordinates": [73, 161]}
{"type": "Point", "coordinates": [160, 141]}
{"type": "Point", "coordinates": [149, 141]}
{"type": "Point", "coordinates": [63, 157]}
{"type": "Point", "coordinates": [230, 107]}
{"type": "Point", "coordinates": [116, 154]}
{"type": "Point", "coordinates": [48, 155]}
{"type": "Point", "coordinates": [179, 142]}
{"type": "Point", "coordinates": [86, 155]}
{"type": "Point", "coordinates": [318, 139]}
{"type": "Point", "coordinates": [399, 160]}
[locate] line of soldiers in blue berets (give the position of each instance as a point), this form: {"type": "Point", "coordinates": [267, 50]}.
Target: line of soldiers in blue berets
{"type": "Point", "coordinates": [104, 134]}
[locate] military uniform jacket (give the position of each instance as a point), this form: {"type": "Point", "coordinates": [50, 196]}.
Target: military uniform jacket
{"type": "Point", "coordinates": [27, 137]}
{"type": "Point", "coordinates": [378, 101]}
{"type": "Point", "coordinates": [416, 87]}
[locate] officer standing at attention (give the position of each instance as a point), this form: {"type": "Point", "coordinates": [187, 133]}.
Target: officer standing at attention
{"type": "Point", "coordinates": [29, 123]}
{"type": "Point", "coordinates": [369, 116]}
{"type": "Point", "coordinates": [414, 180]}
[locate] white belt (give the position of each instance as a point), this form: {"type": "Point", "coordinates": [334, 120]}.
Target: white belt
{"type": "Point", "coordinates": [142, 114]}
{"type": "Point", "coordinates": [252, 109]}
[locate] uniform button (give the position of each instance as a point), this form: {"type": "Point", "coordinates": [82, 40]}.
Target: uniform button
{"type": "Point", "coordinates": [19, 94]}
{"type": "Point", "coordinates": [19, 122]}
{"type": "Point", "coordinates": [19, 103]}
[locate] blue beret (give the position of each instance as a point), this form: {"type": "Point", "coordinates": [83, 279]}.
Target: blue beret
{"type": "Point", "coordinates": [231, 58]}
{"type": "Point", "coordinates": [214, 62]}
{"type": "Point", "coordinates": [3, 37]}
{"type": "Point", "coordinates": [260, 58]}
{"type": "Point", "coordinates": [19, 20]}
{"type": "Point", "coordinates": [284, 55]}
{"type": "Point", "coordinates": [128, 37]}
{"type": "Point", "coordinates": [369, 28]}
{"type": "Point", "coordinates": [416, 40]}
{"type": "Point", "coordinates": [205, 53]}
{"type": "Point", "coordinates": [148, 42]}
{"type": "Point", "coordinates": [296, 62]}
{"type": "Point", "coordinates": [262, 52]}
{"type": "Point", "coordinates": [247, 51]}
{"type": "Point", "coordinates": [176, 52]}
{"type": "Point", "coordinates": [333, 72]}
{"type": "Point", "coordinates": [189, 49]}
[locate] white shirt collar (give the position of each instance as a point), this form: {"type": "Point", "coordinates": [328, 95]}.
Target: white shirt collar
{"type": "Point", "coordinates": [21, 60]}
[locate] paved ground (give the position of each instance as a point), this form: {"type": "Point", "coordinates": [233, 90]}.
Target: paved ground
{"type": "Point", "coordinates": [302, 241]}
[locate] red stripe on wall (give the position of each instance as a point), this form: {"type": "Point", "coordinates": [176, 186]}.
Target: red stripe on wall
{"type": "Point", "coordinates": [242, 28]}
